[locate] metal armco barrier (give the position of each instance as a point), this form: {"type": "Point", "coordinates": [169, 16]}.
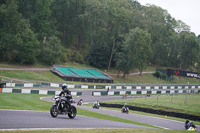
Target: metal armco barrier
{"type": "Point", "coordinates": [154, 111]}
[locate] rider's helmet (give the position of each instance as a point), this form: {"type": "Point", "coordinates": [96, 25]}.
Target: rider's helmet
{"type": "Point", "coordinates": [64, 86]}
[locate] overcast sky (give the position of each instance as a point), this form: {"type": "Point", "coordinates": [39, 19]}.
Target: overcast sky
{"type": "Point", "coordinates": [188, 11]}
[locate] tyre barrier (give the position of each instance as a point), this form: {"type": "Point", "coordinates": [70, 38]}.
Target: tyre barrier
{"type": "Point", "coordinates": [155, 111]}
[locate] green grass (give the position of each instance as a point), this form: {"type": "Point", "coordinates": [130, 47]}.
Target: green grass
{"type": "Point", "coordinates": [17, 65]}
{"type": "Point", "coordinates": [31, 75]}
{"type": "Point", "coordinates": [36, 76]}
{"type": "Point", "coordinates": [48, 76]}
{"type": "Point", "coordinates": [32, 102]}
{"type": "Point", "coordinates": [108, 117]}
{"type": "Point", "coordinates": [99, 130]}
{"type": "Point", "coordinates": [143, 113]}
{"type": "Point", "coordinates": [150, 79]}
{"type": "Point", "coordinates": [149, 114]}
{"type": "Point", "coordinates": [19, 101]}
{"type": "Point", "coordinates": [175, 103]}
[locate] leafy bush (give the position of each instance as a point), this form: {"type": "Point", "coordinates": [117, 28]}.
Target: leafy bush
{"type": "Point", "coordinates": [74, 56]}
{"type": "Point", "coordinates": [157, 74]}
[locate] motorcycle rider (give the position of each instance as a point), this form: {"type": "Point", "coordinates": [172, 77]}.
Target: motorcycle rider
{"type": "Point", "coordinates": [96, 103]}
{"type": "Point", "coordinates": [192, 125]}
{"type": "Point", "coordinates": [80, 102]}
{"type": "Point", "coordinates": [66, 94]}
{"type": "Point", "coordinates": [187, 124]}
{"type": "Point", "coordinates": [125, 108]}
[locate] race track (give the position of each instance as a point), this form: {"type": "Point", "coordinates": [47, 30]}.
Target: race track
{"type": "Point", "coordinates": [18, 119]}
{"type": "Point", "coordinates": [160, 122]}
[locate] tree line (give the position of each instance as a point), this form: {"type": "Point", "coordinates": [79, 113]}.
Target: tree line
{"type": "Point", "coordinates": [103, 33]}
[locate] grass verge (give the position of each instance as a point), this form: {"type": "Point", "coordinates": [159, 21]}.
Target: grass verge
{"type": "Point", "coordinates": [133, 79]}
{"type": "Point", "coordinates": [184, 103]}
{"type": "Point", "coordinates": [153, 115]}
{"type": "Point", "coordinates": [31, 75]}
{"type": "Point", "coordinates": [108, 117]}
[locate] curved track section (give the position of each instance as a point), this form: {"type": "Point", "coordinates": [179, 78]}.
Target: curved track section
{"type": "Point", "coordinates": [160, 122]}
{"type": "Point", "coordinates": [18, 119]}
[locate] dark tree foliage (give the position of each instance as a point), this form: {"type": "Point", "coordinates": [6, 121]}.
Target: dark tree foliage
{"type": "Point", "coordinates": [53, 50]}
{"type": "Point", "coordinates": [98, 55]}
{"type": "Point", "coordinates": [18, 43]}
{"type": "Point", "coordinates": [94, 30]}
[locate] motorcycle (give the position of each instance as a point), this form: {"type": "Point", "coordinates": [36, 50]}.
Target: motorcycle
{"type": "Point", "coordinates": [80, 102]}
{"type": "Point", "coordinates": [125, 110]}
{"type": "Point", "coordinates": [191, 129]}
{"type": "Point", "coordinates": [188, 127]}
{"type": "Point", "coordinates": [96, 105]}
{"type": "Point", "coordinates": [60, 107]}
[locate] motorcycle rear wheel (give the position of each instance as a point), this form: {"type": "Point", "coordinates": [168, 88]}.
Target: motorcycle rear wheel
{"type": "Point", "coordinates": [54, 111]}
{"type": "Point", "coordinates": [72, 112]}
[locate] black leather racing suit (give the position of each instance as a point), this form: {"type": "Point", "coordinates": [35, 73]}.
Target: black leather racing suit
{"type": "Point", "coordinates": [66, 97]}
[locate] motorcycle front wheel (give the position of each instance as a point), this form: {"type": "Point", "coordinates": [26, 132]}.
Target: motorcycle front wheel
{"type": "Point", "coordinates": [72, 112]}
{"type": "Point", "coordinates": [54, 111]}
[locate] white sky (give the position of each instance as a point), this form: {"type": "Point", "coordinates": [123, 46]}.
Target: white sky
{"type": "Point", "coordinates": [188, 11]}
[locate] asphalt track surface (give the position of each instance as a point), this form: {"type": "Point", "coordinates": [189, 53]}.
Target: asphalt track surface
{"type": "Point", "coordinates": [160, 122]}
{"type": "Point", "coordinates": [18, 119]}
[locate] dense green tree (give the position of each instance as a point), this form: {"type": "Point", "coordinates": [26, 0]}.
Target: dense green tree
{"type": "Point", "coordinates": [28, 49]}
{"type": "Point", "coordinates": [68, 20]}
{"type": "Point", "coordinates": [138, 48]}
{"type": "Point", "coordinates": [17, 41]}
{"type": "Point", "coordinates": [95, 15]}
{"type": "Point", "coordinates": [181, 26]}
{"type": "Point", "coordinates": [189, 49]}
{"type": "Point", "coordinates": [53, 51]}
{"type": "Point", "coordinates": [60, 16]}
{"type": "Point", "coordinates": [9, 19]}
{"type": "Point", "coordinates": [198, 57]}
{"type": "Point", "coordinates": [38, 13]}
{"type": "Point", "coordinates": [123, 63]}
{"type": "Point", "coordinates": [85, 27]}
{"type": "Point", "coordinates": [119, 18]}
{"type": "Point", "coordinates": [110, 19]}
{"type": "Point", "coordinates": [198, 62]}
{"type": "Point", "coordinates": [98, 54]}
{"type": "Point", "coordinates": [172, 48]}
{"type": "Point", "coordinates": [159, 23]}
